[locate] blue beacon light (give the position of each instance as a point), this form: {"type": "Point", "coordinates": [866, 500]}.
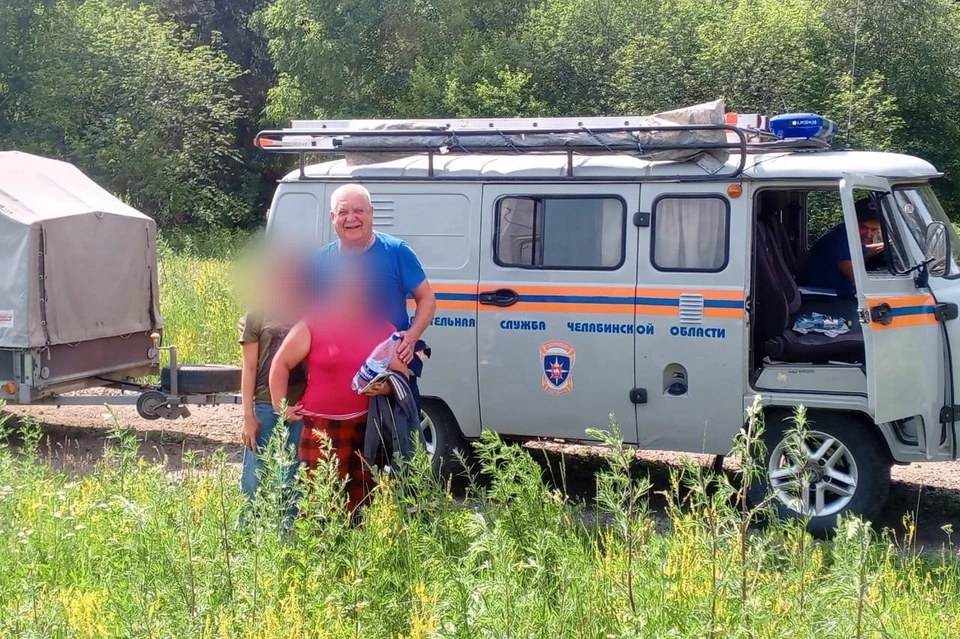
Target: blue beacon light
{"type": "Point", "coordinates": [803, 125]}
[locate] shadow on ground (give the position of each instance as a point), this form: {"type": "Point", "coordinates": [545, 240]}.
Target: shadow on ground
{"type": "Point", "coordinates": [931, 508]}
{"type": "Point", "coordinates": [76, 450]}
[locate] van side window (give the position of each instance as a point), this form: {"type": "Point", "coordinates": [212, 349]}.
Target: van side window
{"type": "Point", "coordinates": [690, 233]}
{"type": "Point", "coordinates": [560, 232]}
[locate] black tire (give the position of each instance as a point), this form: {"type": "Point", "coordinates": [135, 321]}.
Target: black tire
{"type": "Point", "coordinates": [446, 439]}
{"type": "Point", "coordinates": [858, 448]}
{"type": "Point", "coordinates": [203, 378]}
{"type": "Point", "coordinates": [148, 402]}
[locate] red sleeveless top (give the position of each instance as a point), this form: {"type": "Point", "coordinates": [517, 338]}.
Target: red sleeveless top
{"type": "Point", "coordinates": [338, 348]}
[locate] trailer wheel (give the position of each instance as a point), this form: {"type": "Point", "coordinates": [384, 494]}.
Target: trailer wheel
{"type": "Point", "coordinates": [203, 378]}
{"type": "Point", "coordinates": [148, 403]}
{"type": "Point", "coordinates": [840, 468]}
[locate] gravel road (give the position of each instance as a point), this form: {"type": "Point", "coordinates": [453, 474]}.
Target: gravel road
{"type": "Point", "coordinates": [75, 437]}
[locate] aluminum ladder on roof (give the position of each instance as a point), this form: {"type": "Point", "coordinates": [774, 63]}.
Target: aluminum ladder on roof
{"type": "Point", "coordinates": [563, 135]}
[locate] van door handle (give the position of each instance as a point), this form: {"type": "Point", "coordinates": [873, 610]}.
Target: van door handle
{"type": "Point", "coordinates": [881, 313]}
{"type": "Point", "coordinates": [500, 297]}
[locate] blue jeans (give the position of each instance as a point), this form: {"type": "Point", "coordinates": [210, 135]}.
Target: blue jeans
{"type": "Point", "coordinates": [267, 418]}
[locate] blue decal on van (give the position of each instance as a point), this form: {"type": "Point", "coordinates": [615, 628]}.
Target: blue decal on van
{"type": "Point", "coordinates": [697, 331]}
{"type": "Point", "coordinates": [616, 329]}
{"type": "Point", "coordinates": [557, 359]}
{"type": "Point", "coordinates": [453, 322]}
{"type": "Point", "coordinates": [523, 325]}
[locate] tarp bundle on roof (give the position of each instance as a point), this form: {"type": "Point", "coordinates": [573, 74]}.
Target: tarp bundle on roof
{"type": "Point", "coordinates": [685, 144]}
{"type": "Point", "coordinates": [78, 264]}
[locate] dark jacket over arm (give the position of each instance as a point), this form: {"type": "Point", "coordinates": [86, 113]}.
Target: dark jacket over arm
{"type": "Point", "coordinates": [393, 422]}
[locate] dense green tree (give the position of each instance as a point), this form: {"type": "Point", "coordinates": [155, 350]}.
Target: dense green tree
{"type": "Point", "coordinates": [159, 99]}
{"type": "Point", "coordinates": [147, 114]}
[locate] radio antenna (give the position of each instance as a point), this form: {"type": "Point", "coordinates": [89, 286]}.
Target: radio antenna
{"type": "Point", "coordinates": [853, 71]}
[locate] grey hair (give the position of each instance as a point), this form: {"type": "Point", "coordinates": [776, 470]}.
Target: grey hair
{"type": "Point", "coordinates": [349, 188]}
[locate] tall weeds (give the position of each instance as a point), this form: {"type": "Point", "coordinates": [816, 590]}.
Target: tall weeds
{"type": "Point", "coordinates": [136, 549]}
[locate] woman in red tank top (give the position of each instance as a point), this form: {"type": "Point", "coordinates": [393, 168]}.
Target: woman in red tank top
{"type": "Point", "coordinates": [333, 342]}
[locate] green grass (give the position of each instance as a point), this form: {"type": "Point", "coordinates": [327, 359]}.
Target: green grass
{"type": "Point", "coordinates": [199, 299]}
{"type": "Point", "coordinates": [135, 550]}
{"type": "Point", "coordinates": [132, 551]}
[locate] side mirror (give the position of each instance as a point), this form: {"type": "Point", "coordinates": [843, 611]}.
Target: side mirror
{"type": "Point", "coordinates": [937, 249]}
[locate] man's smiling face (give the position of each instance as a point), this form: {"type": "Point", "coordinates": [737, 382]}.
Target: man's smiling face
{"type": "Point", "coordinates": [353, 219]}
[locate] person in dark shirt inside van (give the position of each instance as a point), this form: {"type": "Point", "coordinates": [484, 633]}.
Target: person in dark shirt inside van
{"type": "Point", "coordinates": [828, 264]}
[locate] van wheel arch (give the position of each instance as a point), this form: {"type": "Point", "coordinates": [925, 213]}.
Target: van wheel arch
{"type": "Point", "coordinates": [859, 453]}
{"type": "Point", "coordinates": [446, 437]}
{"type": "Point", "coordinates": [778, 413]}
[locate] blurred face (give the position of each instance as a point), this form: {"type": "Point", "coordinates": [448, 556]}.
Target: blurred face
{"type": "Point", "coordinates": [281, 286]}
{"type": "Point", "coordinates": [348, 296]}
{"type": "Point", "coordinates": [353, 219]}
{"type": "Point", "coordinates": [868, 231]}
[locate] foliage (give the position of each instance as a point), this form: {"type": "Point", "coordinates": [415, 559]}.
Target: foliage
{"type": "Point", "coordinates": [127, 97]}
{"type": "Point", "coordinates": [894, 90]}
{"type": "Point", "coordinates": [159, 99]}
{"type": "Point", "coordinates": [135, 549]}
{"type": "Point", "coordinates": [199, 298]}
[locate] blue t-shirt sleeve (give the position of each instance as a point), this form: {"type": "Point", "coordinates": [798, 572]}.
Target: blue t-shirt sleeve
{"type": "Point", "coordinates": [840, 248]}
{"type": "Point", "coordinates": [411, 272]}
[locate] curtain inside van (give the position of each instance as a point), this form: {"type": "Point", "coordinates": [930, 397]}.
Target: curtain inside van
{"type": "Point", "coordinates": [690, 233]}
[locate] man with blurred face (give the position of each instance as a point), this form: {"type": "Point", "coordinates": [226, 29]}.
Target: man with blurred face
{"type": "Point", "coordinates": [388, 264]}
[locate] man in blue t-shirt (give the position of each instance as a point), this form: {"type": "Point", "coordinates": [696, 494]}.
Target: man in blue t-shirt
{"type": "Point", "coordinates": [828, 263]}
{"type": "Point", "coordinates": [388, 264]}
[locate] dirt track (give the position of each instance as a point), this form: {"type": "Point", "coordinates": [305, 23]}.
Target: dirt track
{"type": "Point", "coordinates": [75, 437]}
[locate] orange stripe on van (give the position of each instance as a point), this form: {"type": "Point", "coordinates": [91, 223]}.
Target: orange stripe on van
{"type": "Point", "coordinates": [593, 291]}
{"type": "Point", "coordinates": [708, 294]}
{"type": "Point", "coordinates": [449, 305]}
{"type": "Point", "coordinates": [454, 288]}
{"type": "Point", "coordinates": [906, 311]}
{"type": "Point", "coordinates": [547, 307]}
{"type": "Point", "coordinates": [613, 300]}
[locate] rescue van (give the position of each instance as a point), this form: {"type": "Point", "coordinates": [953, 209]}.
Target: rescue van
{"type": "Point", "coordinates": [651, 268]}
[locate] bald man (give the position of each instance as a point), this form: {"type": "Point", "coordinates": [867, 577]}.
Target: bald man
{"type": "Point", "coordinates": [390, 266]}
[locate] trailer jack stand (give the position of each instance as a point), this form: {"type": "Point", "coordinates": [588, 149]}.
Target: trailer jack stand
{"type": "Point", "coordinates": [153, 404]}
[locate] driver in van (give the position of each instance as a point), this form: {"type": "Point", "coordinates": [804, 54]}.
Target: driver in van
{"type": "Point", "coordinates": [828, 264]}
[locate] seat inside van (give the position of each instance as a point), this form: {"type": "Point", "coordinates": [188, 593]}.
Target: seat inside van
{"type": "Point", "coordinates": [778, 300]}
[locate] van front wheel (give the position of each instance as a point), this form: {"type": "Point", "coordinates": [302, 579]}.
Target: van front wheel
{"type": "Point", "coordinates": [839, 468]}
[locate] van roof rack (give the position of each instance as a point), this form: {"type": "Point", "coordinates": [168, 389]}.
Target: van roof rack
{"type": "Point", "coordinates": [740, 134]}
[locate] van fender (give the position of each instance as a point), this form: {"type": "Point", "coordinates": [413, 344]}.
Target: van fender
{"type": "Point", "coordinates": [441, 407]}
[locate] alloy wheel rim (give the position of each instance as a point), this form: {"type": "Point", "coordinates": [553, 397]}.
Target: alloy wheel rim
{"type": "Point", "coordinates": [816, 477]}
{"type": "Point", "coordinates": [429, 433]}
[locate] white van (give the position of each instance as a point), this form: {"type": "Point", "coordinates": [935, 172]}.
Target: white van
{"type": "Point", "coordinates": [648, 269]}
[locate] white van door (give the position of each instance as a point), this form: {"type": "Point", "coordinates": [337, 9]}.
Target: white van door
{"type": "Point", "coordinates": [902, 338]}
{"type": "Point", "coordinates": [692, 274]}
{"type": "Point", "coordinates": [555, 326]}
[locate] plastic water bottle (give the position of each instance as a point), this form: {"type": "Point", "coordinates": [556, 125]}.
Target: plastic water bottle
{"type": "Point", "coordinates": [377, 362]}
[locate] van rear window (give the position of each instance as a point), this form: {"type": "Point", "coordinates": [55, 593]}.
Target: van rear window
{"type": "Point", "coordinates": [561, 232]}
{"type": "Point", "coordinates": [690, 233]}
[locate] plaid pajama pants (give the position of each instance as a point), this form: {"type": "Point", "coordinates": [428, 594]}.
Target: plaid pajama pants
{"type": "Point", "coordinates": [346, 439]}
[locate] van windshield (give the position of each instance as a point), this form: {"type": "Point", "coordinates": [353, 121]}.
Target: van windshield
{"type": "Point", "coordinates": [918, 207]}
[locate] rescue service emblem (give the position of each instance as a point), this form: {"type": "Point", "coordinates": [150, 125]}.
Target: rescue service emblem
{"type": "Point", "coordinates": [557, 358]}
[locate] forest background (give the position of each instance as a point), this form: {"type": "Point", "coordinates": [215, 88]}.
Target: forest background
{"type": "Point", "coordinates": [158, 100]}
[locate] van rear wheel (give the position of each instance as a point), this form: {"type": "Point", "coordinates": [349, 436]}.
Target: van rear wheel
{"type": "Point", "coordinates": [443, 438]}
{"type": "Point", "coordinates": [840, 468]}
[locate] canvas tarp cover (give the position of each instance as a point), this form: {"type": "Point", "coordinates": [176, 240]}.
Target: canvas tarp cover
{"type": "Point", "coordinates": [78, 264]}
{"type": "Point", "coordinates": [688, 144]}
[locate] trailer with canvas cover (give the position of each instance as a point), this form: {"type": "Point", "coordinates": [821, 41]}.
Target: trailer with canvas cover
{"type": "Point", "coordinates": [651, 267]}
{"type": "Point", "coordinates": [79, 300]}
